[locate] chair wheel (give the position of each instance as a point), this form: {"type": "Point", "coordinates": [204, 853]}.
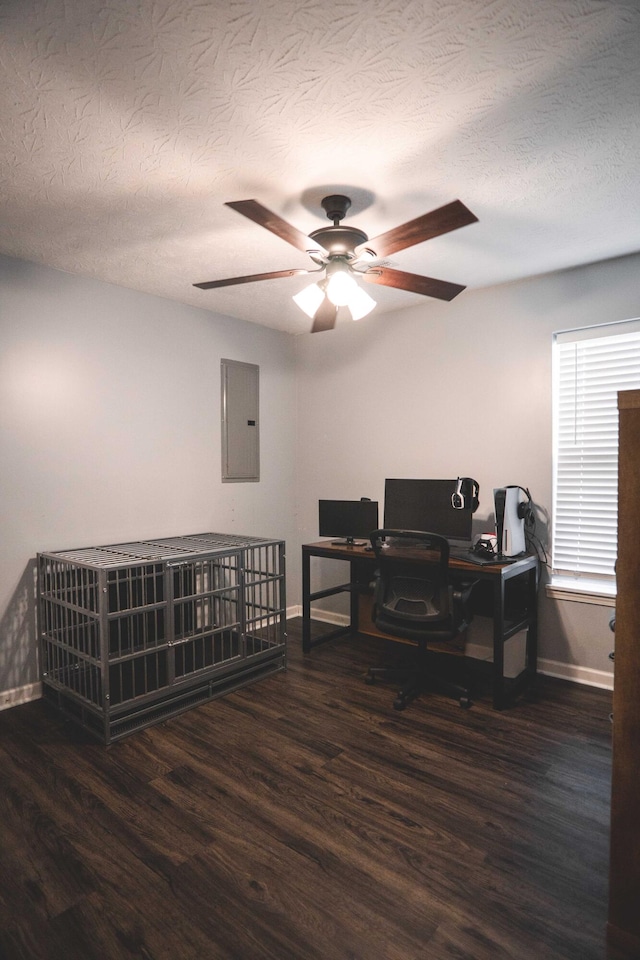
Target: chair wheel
{"type": "Point", "coordinates": [465, 703]}
{"type": "Point", "coordinates": [399, 704]}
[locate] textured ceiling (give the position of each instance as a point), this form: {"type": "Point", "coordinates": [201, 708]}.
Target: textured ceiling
{"type": "Point", "coordinates": [125, 125]}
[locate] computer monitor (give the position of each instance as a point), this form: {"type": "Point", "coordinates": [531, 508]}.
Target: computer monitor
{"type": "Point", "coordinates": [426, 505]}
{"type": "Point", "coordinates": [347, 519]}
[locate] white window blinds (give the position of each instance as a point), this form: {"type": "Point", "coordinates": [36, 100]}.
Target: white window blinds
{"type": "Point", "coordinates": [590, 367]}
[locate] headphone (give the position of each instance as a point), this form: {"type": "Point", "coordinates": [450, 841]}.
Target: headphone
{"type": "Point", "coordinates": [465, 495]}
{"type": "Point", "coordinates": [525, 507]}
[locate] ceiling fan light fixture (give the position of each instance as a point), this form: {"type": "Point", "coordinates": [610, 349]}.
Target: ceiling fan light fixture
{"type": "Point", "coordinates": [309, 299]}
{"type": "Point", "coordinates": [360, 303]}
{"type": "Point", "coordinates": [340, 288]}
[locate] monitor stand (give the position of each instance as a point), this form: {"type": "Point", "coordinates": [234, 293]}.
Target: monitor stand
{"type": "Point", "coordinates": [348, 542]}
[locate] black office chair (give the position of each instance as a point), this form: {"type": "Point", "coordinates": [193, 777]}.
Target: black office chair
{"type": "Point", "coordinates": [415, 600]}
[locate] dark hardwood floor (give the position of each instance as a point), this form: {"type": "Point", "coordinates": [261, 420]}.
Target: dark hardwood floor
{"type": "Point", "coordinates": [302, 818]}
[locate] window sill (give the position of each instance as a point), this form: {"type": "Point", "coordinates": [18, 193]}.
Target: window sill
{"type": "Point", "coordinates": [582, 590]}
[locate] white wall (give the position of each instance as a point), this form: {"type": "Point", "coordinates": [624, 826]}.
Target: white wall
{"type": "Point", "coordinates": [449, 389]}
{"type": "Point", "coordinates": [110, 430]}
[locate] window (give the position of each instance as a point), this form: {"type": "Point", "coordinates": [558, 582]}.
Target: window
{"type": "Point", "coordinates": [590, 366]}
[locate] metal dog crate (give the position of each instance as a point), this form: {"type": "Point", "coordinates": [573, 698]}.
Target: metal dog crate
{"type": "Point", "coordinates": [133, 633]}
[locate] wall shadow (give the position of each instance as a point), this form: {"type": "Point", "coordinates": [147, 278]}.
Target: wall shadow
{"type": "Point", "coordinates": [19, 658]}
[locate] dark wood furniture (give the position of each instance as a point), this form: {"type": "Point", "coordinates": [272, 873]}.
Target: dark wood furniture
{"type": "Point", "coordinates": [507, 592]}
{"type": "Point", "coordinates": [624, 877]}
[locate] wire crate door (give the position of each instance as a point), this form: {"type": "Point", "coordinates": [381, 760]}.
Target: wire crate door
{"type": "Point", "coordinates": [207, 613]}
{"type": "Point", "coordinates": [264, 596]}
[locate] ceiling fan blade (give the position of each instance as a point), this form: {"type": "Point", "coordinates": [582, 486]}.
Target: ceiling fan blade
{"type": "Point", "coordinates": [275, 275]}
{"type": "Point", "coordinates": [271, 221]}
{"type": "Point", "coordinates": [450, 217]}
{"type": "Point", "coordinates": [325, 318]}
{"type": "Point", "coordinates": [427, 286]}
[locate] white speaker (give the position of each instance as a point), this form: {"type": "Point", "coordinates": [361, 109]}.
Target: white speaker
{"type": "Point", "coordinates": [509, 525]}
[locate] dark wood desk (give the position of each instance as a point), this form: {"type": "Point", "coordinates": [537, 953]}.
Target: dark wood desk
{"type": "Point", "coordinates": [506, 592]}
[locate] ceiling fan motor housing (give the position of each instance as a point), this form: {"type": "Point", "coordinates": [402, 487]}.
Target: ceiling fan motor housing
{"type": "Point", "coordinates": [336, 207]}
{"type": "Point", "coordinates": [336, 240]}
{"type": "Point", "coordinates": [339, 241]}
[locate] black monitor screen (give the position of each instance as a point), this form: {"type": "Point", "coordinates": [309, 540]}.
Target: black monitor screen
{"type": "Point", "coordinates": [347, 518]}
{"type": "Point", "coordinates": [425, 505]}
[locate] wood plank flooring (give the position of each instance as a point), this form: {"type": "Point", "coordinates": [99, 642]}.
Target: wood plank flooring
{"type": "Point", "coordinates": [302, 818]}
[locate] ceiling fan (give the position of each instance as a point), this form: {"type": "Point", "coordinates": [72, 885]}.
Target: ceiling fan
{"type": "Point", "coordinates": [345, 253]}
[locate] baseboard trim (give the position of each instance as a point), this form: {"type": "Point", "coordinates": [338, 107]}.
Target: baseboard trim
{"type": "Point", "coordinates": [550, 668]}
{"type": "Point", "coordinates": [325, 616]}
{"type": "Point", "coordinates": [13, 698]}
{"type": "Point", "coordinates": [569, 671]}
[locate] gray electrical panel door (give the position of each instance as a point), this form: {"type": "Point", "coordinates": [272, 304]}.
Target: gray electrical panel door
{"type": "Point", "coordinates": [240, 424]}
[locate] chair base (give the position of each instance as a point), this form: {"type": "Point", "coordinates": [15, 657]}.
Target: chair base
{"type": "Point", "coordinates": [413, 683]}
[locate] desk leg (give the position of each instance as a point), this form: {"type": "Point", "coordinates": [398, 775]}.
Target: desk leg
{"type": "Point", "coordinates": [532, 632]}
{"type": "Point", "coordinates": [354, 601]}
{"type": "Point", "coordinates": [306, 602]}
{"type": "Point", "coordinates": [308, 597]}
{"type": "Point", "coordinates": [498, 645]}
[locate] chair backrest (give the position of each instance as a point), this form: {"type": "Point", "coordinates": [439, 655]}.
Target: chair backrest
{"type": "Point", "coordinates": [413, 594]}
